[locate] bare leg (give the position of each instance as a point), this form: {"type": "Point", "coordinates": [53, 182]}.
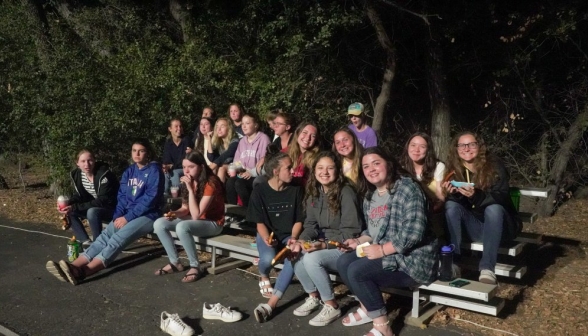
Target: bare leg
{"type": "Point", "coordinates": [222, 172]}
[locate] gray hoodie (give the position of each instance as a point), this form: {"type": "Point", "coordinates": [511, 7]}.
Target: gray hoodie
{"type": "Point", "coordinates": [321, 223]}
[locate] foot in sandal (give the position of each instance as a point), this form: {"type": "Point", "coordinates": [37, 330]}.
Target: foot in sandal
{"type": "Point", "coordinates": [357, 318]}
{"type": "Point", "coordinates": [169, 269]}
{"type": "Point", "coordinates": [265, 288]}
{"type": "Point", "coordinates": [380, 329]}
{"type": "Point", "coordinates": [193, 274]}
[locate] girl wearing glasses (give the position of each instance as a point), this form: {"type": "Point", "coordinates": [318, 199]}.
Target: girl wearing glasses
{"type": "Point", "coordinates": [484, 210]}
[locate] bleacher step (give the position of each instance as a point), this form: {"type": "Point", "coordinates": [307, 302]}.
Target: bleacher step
{"type": "Point", "coordinates": [515, 249]}
{"type": "Point", "coordinates": [492, 307]}
{"type": "Point", "coordinates": [474, 290]}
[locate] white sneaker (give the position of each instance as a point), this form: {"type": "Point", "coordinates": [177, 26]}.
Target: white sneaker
{"type": "Point", "coordinates": [307, 307]}
{"type": "Point", "coordinates": [220, 312]}
{"type": "Point", "coordinates": [173, 325]}
{"type": "Point", "coordinates": [327, 315]}
{"type": "Point", "coordinates": [488, 277]}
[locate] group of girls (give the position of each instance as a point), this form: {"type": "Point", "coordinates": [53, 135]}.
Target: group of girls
{"type": "Point", "coordinates": [316, 207]}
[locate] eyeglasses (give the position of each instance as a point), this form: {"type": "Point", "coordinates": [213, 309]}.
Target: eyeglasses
{"type": "Point", "coordinates": [471, 145]}
{"type": "Point", "coordinates": [279, 123]}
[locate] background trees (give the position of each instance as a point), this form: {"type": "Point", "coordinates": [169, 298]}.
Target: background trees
{"type": "Point", "coordinates": [96, 73]}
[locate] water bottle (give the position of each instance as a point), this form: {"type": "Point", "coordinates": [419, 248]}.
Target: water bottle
{"type": "Point", "coordinates": [446, 267]}
{"type": "Point", "coordinates": [73, 249]}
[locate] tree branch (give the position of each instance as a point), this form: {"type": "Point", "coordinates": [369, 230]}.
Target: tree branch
{"type": "Point", "coordinates": [424, 17]}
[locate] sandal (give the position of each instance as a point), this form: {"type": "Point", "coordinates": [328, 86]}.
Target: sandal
{"type": "Point", "coordinates": [266, 292]}
{"type": "Point", "coordinates": [376, 332]}
{"type": "Point", "coordinates": [262, 312]}
{"type": "Point", "coordinates": [173, 267]}
{"type": "Point", "coordinates": [192, 277]}
{"type": "Point", "coordinates": [353, 322]}
{"type": "Point", "coordinates": [54, 269]}
{"type": "Point", "coordinates": [73, 273]}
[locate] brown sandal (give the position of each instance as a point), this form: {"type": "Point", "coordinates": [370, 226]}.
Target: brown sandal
{"type": "Point", "coordinates": [173, 267]}
{"type": "Point", "coordinates": [192, 277]}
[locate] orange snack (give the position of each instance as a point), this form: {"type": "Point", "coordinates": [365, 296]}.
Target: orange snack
{"type": "Point", "coordinates": [281, 255]}
{"type": "Point", "coordinates": [337, 244]}
{"type": "Point", "coordinates": [448, 176]}
{"type": "Point", "coordinates": [271, 237]}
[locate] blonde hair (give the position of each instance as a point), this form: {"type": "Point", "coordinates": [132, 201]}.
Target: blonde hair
{"type": "Point", "coordinates": [223, 142]}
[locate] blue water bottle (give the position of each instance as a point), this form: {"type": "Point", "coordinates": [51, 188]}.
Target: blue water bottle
{"type": "Point", "coordinates": [446, 263]}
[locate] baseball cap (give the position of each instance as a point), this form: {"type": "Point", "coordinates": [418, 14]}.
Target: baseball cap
{"type": "Point", "coordinates": [355, 109]}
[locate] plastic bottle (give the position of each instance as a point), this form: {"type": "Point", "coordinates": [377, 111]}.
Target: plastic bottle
{"type": "Point", "coordinates": [73, 249]}
{"type": "Point", "coordinates": [446, 263]}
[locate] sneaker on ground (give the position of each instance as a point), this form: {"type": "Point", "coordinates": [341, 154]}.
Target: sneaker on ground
{"type": "Point", "coordinates": [327, 315]}
{"type": "Point", "coordinates": [173, 325]}
{"type": "Point", "coordinates": [311, 304]}
{"type": "Point", "coordinates": [220, 312]}
{"type": "Point", "coordinates": [487, 277]}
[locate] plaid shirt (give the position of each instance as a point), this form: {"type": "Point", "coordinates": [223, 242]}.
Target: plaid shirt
{"type": "Point", "coordinates": [406, 227]}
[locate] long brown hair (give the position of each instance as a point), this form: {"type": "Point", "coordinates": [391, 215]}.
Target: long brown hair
{"type": "Point", "coordinates": [295, 151]}
{"type": "Point", "coordinates": [485, 174]}
{"type": "Point", "coordinates": [355, 154]}
{"type": "Point", "coordinates": [430, 161]}
{"type": "Point", "coordinates": [206, 176]}
{"type": "Point", "coordinates": [313, 186]}
{"type": "Point", "coordinates": [199, 137]}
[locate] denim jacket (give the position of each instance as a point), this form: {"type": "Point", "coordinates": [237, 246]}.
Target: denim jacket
{"type": "Point", "coordinates": [406, 227]}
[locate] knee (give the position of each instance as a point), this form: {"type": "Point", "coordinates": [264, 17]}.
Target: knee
{"type": "Point", "coordinates": [93, 213]}
{"type": "Point", "coordinates": [495, 210]}
{"type": "Point", "coordinates": [312, 260]}
{"type": "Point", "coordinates": [160, 225]}
{"type": "Point", "coordinates": [452, 207]}
{"type": "Point", "coordinates": [182, 228]}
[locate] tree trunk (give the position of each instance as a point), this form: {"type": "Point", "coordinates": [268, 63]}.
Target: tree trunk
{"type": "Point", "coordinates": [440, 111]}
{"type": "Point", "coordinates": [562, 157]}
{"type": "Point", "coordinates": [179, 11]}
{"type": "Point", "coordinates": [389, 71]}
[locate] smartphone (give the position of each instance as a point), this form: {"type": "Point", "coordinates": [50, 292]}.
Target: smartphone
{"type": "Point", "coordinates": [461, 184]}
{"type": "Point", "coordinates": [458, 283]}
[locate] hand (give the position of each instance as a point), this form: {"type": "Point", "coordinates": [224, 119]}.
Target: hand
{"type": "Point", "coordinates": [245, 175]}
{"type": "Point", "coordinates": [120, 222]}
{"type": "Point", "coordinates": [64, 210]}
{"type": "Point", "coordinates": [313, 246]}
{"type": "Point", "coordinates": [467, 191]}
{"type": "Point", "coordinates": [351, 244]}
{"type": "Point", "coordinates": [447, 186]}
{"type": "Point", "coordinates": [166, 168]}
{"type": "Point", "coordinates": [191, 185]}
{"type": "Point", "coordinates": [271, 243]}
{"type": "Point", "coordinates": [209, 134]}
{"type": "Point", "coordinates": [188, 150]}
{"type": "Point", "coordinates": [373, 251]}
{"type": "Point", "coordinates": [294, 248]}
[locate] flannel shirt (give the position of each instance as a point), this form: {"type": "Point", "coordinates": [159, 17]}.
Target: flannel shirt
{"type": "Point", "coordinates": [406, 227]}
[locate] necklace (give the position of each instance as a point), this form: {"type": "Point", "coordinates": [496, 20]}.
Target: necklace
{"type": "Point", "coordinates": [381, 191]}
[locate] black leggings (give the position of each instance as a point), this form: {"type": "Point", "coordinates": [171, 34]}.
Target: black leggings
{"type": "Point", "coordinates": [239, 187]}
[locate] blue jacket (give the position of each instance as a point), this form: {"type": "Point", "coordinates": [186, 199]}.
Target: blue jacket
{"type": "Point", "coordinates": [141, 192]}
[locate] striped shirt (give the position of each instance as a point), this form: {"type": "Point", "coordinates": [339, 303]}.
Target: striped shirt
{"type": "Point", "coordinates": [89, 186]}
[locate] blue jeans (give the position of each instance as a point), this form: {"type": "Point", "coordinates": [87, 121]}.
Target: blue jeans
{"type": "Point", "coordinates": [266, 254]}
{"type": "Point", "coordinates": [95, 216]}
{"type": "Point", "coordinates": [112, 241]}
{"type": "Point", "coordinates": [489, 231]}
{"type": "Point", "coordinates": [185, 229]}
{"type": "Point", "coordinates": [312, 271]}
{"type": "Point", "coordinates": [364, 277]}
{"type": "Point", "coordinates": [172, 178]}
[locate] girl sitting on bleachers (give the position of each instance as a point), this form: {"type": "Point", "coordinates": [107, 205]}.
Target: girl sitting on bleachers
{"type": "Point", "coordinates": [276, 208]}
{"type": "Point", "coordinates": [346, 145]}
{"type": "Point", "coordinates": [303, 149]}
{"type": "Point", "coordinates": [333, 215]}
{"type": "Point", "coordinates": [222, 147]}
{"type": "Point", "coordinates": [401, 250]}
{"type": "Point", "coordinates": [250, 151]}
{"type": "Point", "coordinates": [202, 214]}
